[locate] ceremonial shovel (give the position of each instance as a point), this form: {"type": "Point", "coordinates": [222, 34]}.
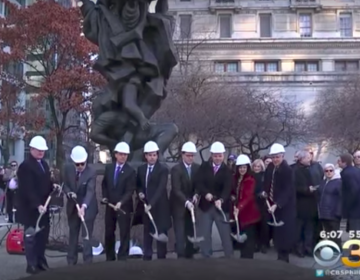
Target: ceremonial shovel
{"type": "Point", "coordinates": [113, 207]}
{"type": "Point", "coordinates": [275, 223]}
{"type": "Point", "coordinates": [82, 219]}
{"type": "Point", "coordinates": [159, 237]}
{"type": "Point", "coordinates": [241, 238]}
{"type": "Point", "coordinates": [37, 228]}
{"type": "Point", "coordinates": [194, 239]}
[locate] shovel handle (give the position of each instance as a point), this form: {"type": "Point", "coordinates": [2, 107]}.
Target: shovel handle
{"type": "Point", "coordinates": [81, 216]}
{"type": "Point", "coordinates": [268, 204]}
{"type": "Point", "coordinates": [192, 212]}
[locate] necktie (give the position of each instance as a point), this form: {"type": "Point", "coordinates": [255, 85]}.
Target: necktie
{"type": "Point", "coordinates": [271, 192]}
{"type": "Point", "coordinates": [216, 168]}
{"type": "Point", "coordinates": [116, 175]}
{"type": "Point", "coordinates": [188, 168]}
{"type": "Point", "coordinates": [77, 176]}
{"type": "Point", "coordinates": [42, 167]}
{"type": "Point", "coordinates": [148, 174]}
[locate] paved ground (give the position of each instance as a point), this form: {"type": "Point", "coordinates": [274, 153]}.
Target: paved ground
{"type": "Point", "coordinates": [12, 267]}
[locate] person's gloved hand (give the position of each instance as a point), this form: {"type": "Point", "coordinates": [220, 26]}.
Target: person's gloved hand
{"type": "Point", "coordinates": [72, 195]}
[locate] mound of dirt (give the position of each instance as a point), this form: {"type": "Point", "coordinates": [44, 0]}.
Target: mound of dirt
{"type": "Point", "coordinates": [172, 269]}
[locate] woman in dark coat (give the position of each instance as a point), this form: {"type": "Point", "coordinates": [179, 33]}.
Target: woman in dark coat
{"type": "Point", "coordinates": [329, 201]}
{"type": "Point", "coordinates": [245, 205]}
{"type": "Point", "coordinates": [280, 192]}
{"type": "Point", "coordinates": [262, 228]}
{"type": "Point", "coordinates": [306, 205]}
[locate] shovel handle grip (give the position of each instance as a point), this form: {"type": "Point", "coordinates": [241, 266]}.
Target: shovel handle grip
{"type": "Point", "coordinates": [268, 204]}
{"type": "Point", "coordinates": [47, 201]}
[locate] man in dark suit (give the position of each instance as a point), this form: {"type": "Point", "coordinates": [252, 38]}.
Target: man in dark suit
{"type": "Point", "coordinates": [280, 191]}
{"type": "Point", "coordinates": [118, 186]}
{"type": "Point", "coordinates": [183, 197]}
{"type": "Point", "coordinates": [80, 186]}
{"type": "Point", "coordinates": [350, 176]}
{"type": "Point", "coordinates": [214, 183]}
{"type": "Point", "coordinates": [34, 187]}
{"type": "Point", "coordinates": [151, 185]}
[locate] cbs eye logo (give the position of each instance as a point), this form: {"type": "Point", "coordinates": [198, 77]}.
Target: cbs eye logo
{"type": "Point", "coordinates": [327, 253]}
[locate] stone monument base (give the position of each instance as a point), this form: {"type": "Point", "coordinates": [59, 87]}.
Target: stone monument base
{"type": "Point", "coordinates": [229, 269]}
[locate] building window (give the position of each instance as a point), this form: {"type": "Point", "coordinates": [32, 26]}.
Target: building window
{"type": "Point", "coordinates": [306, 66]}
{"type": "Point", "coordinates": [1, 7]}
{"type": "Point", "coordinates": [225, 26]}
{"type": "Point", "coordinates": [230, 67]}
{"type": "Point", "coordinates": [266, 66]}
{"type": "Point", "coordinates": [265, 25]}
{"type": "Point", "coordinates": [351, 65]}
{"type": "Point", "coordinates": [185, 26]}
{"type": "Point", "coordinates": [305, 25]}
{"type": "Point", "coordinates": [22, 3]}
{"type": "Point", "coordinates": [346, 25]}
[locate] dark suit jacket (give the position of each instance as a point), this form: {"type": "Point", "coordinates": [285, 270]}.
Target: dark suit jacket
{"type": "Point", "coordinates": [156, 193]}
{"type": "Point", "coordinates": [182, 187]}
{"type": "Point", "coordinates": [350, 177]}
{"type": "Point", "coordinates": [219, 185]}
{"type": "Point", "coordinates": [123, 189]}
{"type": "Point", "coordinates": [34, 187]}
{"type": "Point", "coordinates": [85, 190]}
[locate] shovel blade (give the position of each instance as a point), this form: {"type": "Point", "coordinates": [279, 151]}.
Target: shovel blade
{"type": "Point", "coordinates": [195, 239]}
{"type": "Point", "coordinates": [239, 238]}
{"type": "Point", "coordinates": [160, 237]}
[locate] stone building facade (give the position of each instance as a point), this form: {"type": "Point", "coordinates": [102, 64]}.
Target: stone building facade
{"type": "Point", "coordinates": [299, 47]}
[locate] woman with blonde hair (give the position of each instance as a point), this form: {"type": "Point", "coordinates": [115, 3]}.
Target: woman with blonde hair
{"type": "Point", "coordinates": [262, 228]}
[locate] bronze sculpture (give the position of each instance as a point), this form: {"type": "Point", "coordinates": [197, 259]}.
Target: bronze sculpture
{"type": "Point", "coordinates": [136, 56]}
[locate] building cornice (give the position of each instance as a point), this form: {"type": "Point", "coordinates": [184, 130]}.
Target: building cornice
{"type": "Point", "coordinates": [251, 44]}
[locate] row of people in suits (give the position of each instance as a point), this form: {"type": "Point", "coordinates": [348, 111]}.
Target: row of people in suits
{"type": "Point", "coordinates": [209, 187]}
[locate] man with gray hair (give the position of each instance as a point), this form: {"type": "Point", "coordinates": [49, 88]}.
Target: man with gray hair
{"type": "Point", "coordinates": [306, 205]}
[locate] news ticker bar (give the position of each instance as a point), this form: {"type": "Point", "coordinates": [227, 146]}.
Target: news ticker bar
{"type": "Point", "coordinates": [336, 272]}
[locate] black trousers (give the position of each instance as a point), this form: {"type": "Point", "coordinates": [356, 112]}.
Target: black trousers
{"type": "Point", "coordinates": [75, 225]}
{"type": "Point", "coordinates": [305, 237]}
{"type": "Point", "coordinates": [332, 225]}
{"type": "Point", "coordinates": [123, 220]}
{"type": "Point", "coordinates": [9, 200]}
{"type": "Point", "coordinates": [148, 241]}
{"type": "Point", "coordinates": [247, 249]}
{"type": "Point", "coordinates": [262, 227]}
{"type": "Point", "coordinates": [35, 244]}
{"type": "Point", "coordinates": [183, 228]}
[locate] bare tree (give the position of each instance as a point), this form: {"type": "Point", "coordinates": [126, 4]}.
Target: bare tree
{"type": "Point", "coordinates": [265, 118]}
{"type": "Point", "coordinates": [336, 116]}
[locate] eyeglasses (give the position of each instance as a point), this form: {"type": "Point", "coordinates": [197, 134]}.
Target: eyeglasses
{"type": "Point", "coordinates": [329, 171]}
{"type": "Point", "coordinates": [13, 165]}
{"type": "Point", "coordinates": [80, 164]}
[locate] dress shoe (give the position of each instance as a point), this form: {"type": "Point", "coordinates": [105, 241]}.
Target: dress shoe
{"type": "Point", "coordinates": [43, 267]}
{"type": "Point", "coordinates": [30, 269]}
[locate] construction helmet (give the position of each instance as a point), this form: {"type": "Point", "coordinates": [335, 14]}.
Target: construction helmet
{"type": "Point", "coordinates": [39, 143]}
{"type": "Point", "coordinates": [243, 160]}
{"type": "Point", "coordinates": [277, 149]}
{"type": "Point", "coordinates": [122, 147]}
{"type": "Point", "coordinates": [78, 154]}
{"type": "Point", "coordinates": [217, 148]}
{"type": "Point", "coordinates": [151, 147]}
{"type": "Point", "coordinates": [189, 147]}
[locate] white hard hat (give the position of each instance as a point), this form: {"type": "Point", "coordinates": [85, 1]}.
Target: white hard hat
{"type": "Point", "coordinates": [277, 149]}
{"type": "Point", "coordinates": [243, 160]}
{"type": "Point", "coordinates": [136, 251]}
{"type": "Point", "coordinates": [189, 147]}
{"type": "Point", "coordinates": [96, 251]}
{"type": "Point", "coordinates": [78, 154]}
{"type": "Point", "coordinates": [39, 143]}
{"type": "Point", "coordinates": [151, 147]}
{"type": "Point", "coordinates": [117, 246]}
{"type": "Point", "coordinates": [122, 147]}
{"type": "Point", "coordinates": [217, 148]}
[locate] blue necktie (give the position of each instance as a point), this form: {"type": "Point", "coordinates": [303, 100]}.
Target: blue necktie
{"type": "Point", "coordinates": [116, 175]}
{"type": "Point", "coordinates": [42, 167]}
